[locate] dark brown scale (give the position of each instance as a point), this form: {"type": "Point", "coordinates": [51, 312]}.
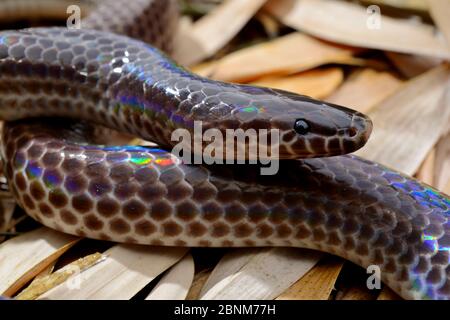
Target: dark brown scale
{"type": "Point", "coordinates": [92, 222]}
{"type": "Point", "coordinates": [57, 198]}
{"type": "Point", "coordinates": [82, 203]}
{"type": "Point", "coordinates": [46, 210]}
{"type": "Point", "coordinates": [144, 228]}
{"type": "Point", "coordinates": [133, 209]}
{"type": "Point", "coordinates": [68, 217]}
{"type": "Point", "coordinates": [171, 229]}
{"type": "Point", "coordinates": [119, 226]}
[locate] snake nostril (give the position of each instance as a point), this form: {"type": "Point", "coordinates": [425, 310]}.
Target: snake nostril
{"type": "Point", "coordinates": [352, 131]}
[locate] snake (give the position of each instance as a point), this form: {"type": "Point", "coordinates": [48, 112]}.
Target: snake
{"type": "Point", "coordinates": [60, 86]}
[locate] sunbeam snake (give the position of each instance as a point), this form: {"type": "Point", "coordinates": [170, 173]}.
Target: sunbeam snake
{"type": "Point", "coordinates": [338, 203]}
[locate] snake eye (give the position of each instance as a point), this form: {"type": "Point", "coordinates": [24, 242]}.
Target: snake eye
{"type": "Point", "coordinates": [301, 126]}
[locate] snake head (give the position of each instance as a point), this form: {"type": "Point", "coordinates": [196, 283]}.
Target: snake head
{"type": "Point", "coordinates": [312, 128]}
{"type": "Point", "coordinates": [308, 127]}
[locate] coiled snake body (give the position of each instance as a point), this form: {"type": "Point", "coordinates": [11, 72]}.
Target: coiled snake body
{"type": "Point", "coordinates": [340, 204]}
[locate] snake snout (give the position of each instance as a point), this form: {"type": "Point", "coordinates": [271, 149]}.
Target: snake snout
{"type": "Point", "coordinates": [358, 133]}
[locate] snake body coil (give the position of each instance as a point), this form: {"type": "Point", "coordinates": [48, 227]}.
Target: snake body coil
{"type": "Point", "coordinates": [343, 204]}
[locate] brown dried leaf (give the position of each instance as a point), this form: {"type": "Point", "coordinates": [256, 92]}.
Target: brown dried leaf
{"type": "Point", "coordinates": [412, 65]}
{"type": "Point", "coordinates": [317, 83]}
{"type": "Point", "coordinates": [198, 41]}
{"type": "Point", "coordinates": [426, 171]}
{"type": "Point", "coordinates": [365, 89]}
{"type": "Point", "coordinates": [401, 137]}
{"type": "Point", "coordinates": [318, 283]}
{"type": "Point", "coordinates": [348, 23]}
{"type": "Point", "coordinates": [285, 55]}
{"type": "Point", "coordinates": [197, 285]}
{"type": "Point", "coordinates": [388, 294]}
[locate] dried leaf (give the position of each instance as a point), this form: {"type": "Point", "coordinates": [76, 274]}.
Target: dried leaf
{"type": "Point", "coordinates": [174, 285]}
{"type": "Point", "coordinates": [17, 10]}
{"type": "Point", "coordinates": [355, 292]}
{"type": "Point", "coordinates": [7, 206]}
{"type": "Point", "coordinates": [412, 65]}
{"type": "Point", "coordinates": [261, 275]}
{"type": "Point", "coordinates": [124, 272]}
{"type": "Point", "coordinates": [318, 283]}
{"type": "Point", "coordinates": [426, 170]}
{"type": "Point", "coordinates": [317, 83]}
{"type": "Point", "coordinates": [25, 256]}
{"type": "Point", "coordinates": [210, 33]}
{"type": "Point", "coordinates": [351, 24]}
{"type": "Point", "coordinates": [401, 136]}
{"type": "Point", "coordinates": [46, 282]}
{"type": "Point", "coordinates": [388, 294]}
{"type": "Point", "coordinates": [440, 10]}
{"type": "Point", "coordinates": [442, 162]}
{"type": "Point", "coordinates": [365, 89]}
{"type": "Point", "coordinates": [289, 54]}
{"type": "Point", "coordinates": [197, 285]}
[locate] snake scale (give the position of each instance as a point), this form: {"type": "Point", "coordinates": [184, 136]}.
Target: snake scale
{"type": "Point", "coordinates": [320, 198]}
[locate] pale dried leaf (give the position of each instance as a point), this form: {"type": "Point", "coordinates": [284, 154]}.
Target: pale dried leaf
{"type": "Point", "coordinates": [124, 272]}
{"type": "Point", "coordinates": [25, 256]}
{"type": "Point", "coordinates": [265, 275]}
{"type": "Point", "coordinates": [365, 89]}
{"type": "Point", "coordinates": [348, 23]}
{"type": "Point", "coordinates": [16, 10]}
{"type": "Point", "coordinates": [442, 162]}
{"type": "Point", "coordinates": [446, 189]}
{"type": "Point", "coordinates": [426, 170]}
{"type": "Point", "coordinates": [317, 83]}
{"type": "Point", "coordinates": [416, 5]}
{"type": "Point", "coordinates": [43, 283]}
{"type": "Point", "coordinates": [174, 285]}
{"type": "Point", "coordinates": [402, 136]}
{"type": "Point", "coordinates": [198, 41]}
{"type": "Point", "coordinates": [289, 54]}
{"type": "Point", "coordinates": [440, 10]}
{"type": "Point", "coordinates": [318, 283]}
{"type": "Point", "coordinates": [230, 264]}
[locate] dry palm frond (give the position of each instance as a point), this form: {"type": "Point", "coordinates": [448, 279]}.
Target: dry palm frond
{"type": "Point", "coordinates": [350, 24]}
{"type": "Point", "coordinates": [258, 273]}
{"type": "Point", "coordinates": [174, 285]}
{"type": "Point", "coordinates": [317, 83]}
{"type": "Point", "coordinates": [365, 89]}
{"type": "Point", "coordinates": [25, 256]}
{"type": "Point", "coordinates": [401, 136]}
{"type": "Point", "coordinates": [206, 36]}
{"type": "Point", "coordinates": [285, 55]}
{"type": "Point", "coordinates": [318, 283]}
{"type": "Point", "coordinates": [123, 273]}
